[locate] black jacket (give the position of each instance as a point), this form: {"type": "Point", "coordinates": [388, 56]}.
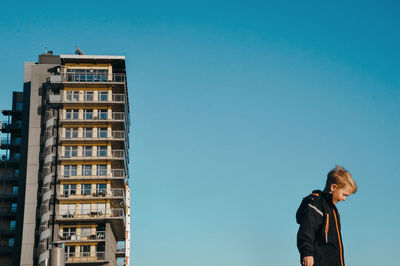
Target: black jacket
{"type": "Point", "coordinates": [319, 233]}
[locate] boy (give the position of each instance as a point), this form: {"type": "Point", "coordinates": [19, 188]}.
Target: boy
{"type": "Point", "coordinates": [319, 240]}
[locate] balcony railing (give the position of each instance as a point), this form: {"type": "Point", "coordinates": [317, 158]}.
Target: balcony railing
{"type": "Point", "coordinates": [113, 173]}
{"type": "Point", "coordinates": [110, 213]}
{"type": "Point", "coordinates": [113, 193]}
{"type": "Point", "coordinates": [115, 116]}
{"type": "Point", "coordinates": [85, 256]}
{"type": "Point", "coordinates": [8, 210]}
{"type": "Point", "coordinates": [11, 125]}
{"type": "Point", "coordinates": [75, 237]}
{"type": "Point", "coordinates": [115, 135]}
{"type": "Point", "coordinates": [71, 77]}
{"type": "Point", "coordinates": [114, 155]}
{"type": "Point", "coordinates": [115, 98]}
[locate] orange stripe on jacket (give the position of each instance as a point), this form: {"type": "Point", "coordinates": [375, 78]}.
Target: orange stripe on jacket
{"type": "Point", "coordinates": [340, 241]}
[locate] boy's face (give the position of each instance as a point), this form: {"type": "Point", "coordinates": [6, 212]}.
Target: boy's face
{"type": "Point", "coordinates": [340, 194]}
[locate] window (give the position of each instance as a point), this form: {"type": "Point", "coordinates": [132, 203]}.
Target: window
{"type": "Point", "coordinates": [86, 170]}
{"type": "Point", "coordinates": [100, 208]}
{"type": "Point", "coordinates": [88, 114]}
{"type": "Point", "coordinates": [70, 170]}
{"type": "Point", "coordinates": [71, 114]}
{"type": "Point", "coordinates": [86, 232]}
{"type": "Point", "coordinates": [102, 132]}
{"type": "Point", "coordinates": [15, 191]}
{"type": "Point", "coordinates": [69, 189]}
{"type": "Point", "coordinates": [18, 141]}
{"type": "Point", "coordinates": [11, 242]}
{"type": "Point", "coordinates": [19, 106]}
{"type": "Point", "coordinates": [13, 207]}
{"type": "Point", "coordinates": [101, 190]}
{"type": "Point", "coordinates": [69, 251]}
{"type": "Point", "coordinates": [103, 96]}
{"type": "Point", "coordinates": [86, 189]}
{"type": "Point", "coordinates": [71, 151]}
{"type": "Point", "coordinates": [102, 169]}
{"type": "Point", "coordinates": [72, 96]}
{"type": "Point", "coordinates": [102, 114]}
{"type": "Point", "coordinates": [88, 132]}
{"type": "Point", "coordinates": [71, 132]}
{"type": "Point", "coordinates": [87, 151]}
{"type": "Point", "coordinates": [101, 151]}
{"type": "Point", "coordinates": [85, 251]}
{"type": "Point", "coordinates": [85, 209]}
{"type": "Point", "coordinates": [88, 96]}
{"type": "Point", "coordinates": [69, 233]}
{"type": "Point", "coordinates": [12, 224]}
{"type": "Point", "coordinates": [67, 210]}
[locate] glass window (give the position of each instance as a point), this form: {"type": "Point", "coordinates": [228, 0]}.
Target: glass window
{"type": "Point", "coordinates": [102, 132]}
{"type": "Point", "coordinates": [86, 232]}
{"type": "Point", "coordinates": [67, 209]}
{"type": "Point", "coordinates": [85, 251]}
{"type": "Point", "coordinates": [88, 114]}
{"type": "Point", "coordinates": [103, 96]}
{"type": "Point", "coordinates": [86, 170]}
{"type": "Point", "coordinates": [69, 233]}
{"type": "Point", "coordinates": [72, 114]}
{"type": "Point", "coordinates": [85, 209]}
{"type": "Point", "coordinates": [70, 170]}
{"type": "Point", "coordinates": [100, 208]}
{"type": "Point", "coordinates": [70, 251]}
{"type": "Point", "coordinates": [71, 151]}
{"type": "Point", "coordinates": [13, 224]}
{"type": "Point", "coordinates": [89, 96]}
{"type": "Point", "coordinates": [71, 132]}
{"type": "Point", "coordinates": [13, 207]}
{"type": "Point", "coordinates": [19, 106]}
{"type": "Point", "coordinates": [69, 189]}
{"type": "Point", "coordinates": [101, 151]}
{"type": "Point", "coordinates": [102, 169]}
{"type": "Point", "coordinates": [88, 132]}
{"type": "Point", "coordinates": [101, 189]}
{"type": "Point", "coordinates": [72, 96]}
{"type": "Point", "coordinates": [102, 114]}
{"type": "Point", "coordinates": [86, 189]}
{"type": "Point", "coordinates": [15, 191]}
{"type": "Point", "coordinates": [87, 151]}
{"type": "Point", "coordinates": [11, 242]}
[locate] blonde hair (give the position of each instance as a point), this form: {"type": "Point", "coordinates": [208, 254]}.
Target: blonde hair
{"type": "Point", "coordinates": [341, 177]}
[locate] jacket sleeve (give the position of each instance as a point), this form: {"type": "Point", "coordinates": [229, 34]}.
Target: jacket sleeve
{"type": "Point", "coordinates": [311, 221]}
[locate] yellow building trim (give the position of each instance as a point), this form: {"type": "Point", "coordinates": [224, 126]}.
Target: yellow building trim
{"type": "Point", "coordinates": [85, 163]}
{"type": "Point", "coordinates": [85, 182]}
{"type": "Point", "coordinates": [79, 226]}
{"type": "Point", "coordinates": [81, 125]}
{"type": "Point", "coordinates": [84, 201]}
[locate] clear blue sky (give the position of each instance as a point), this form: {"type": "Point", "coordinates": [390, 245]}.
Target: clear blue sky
{"type": "Point", "coordinates": [240, 108]}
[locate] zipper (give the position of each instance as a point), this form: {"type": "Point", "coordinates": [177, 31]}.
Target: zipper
{"type": "Point", "coordinates": [340, 241]}
{"type": "Point", "coordinates": [326, 227]}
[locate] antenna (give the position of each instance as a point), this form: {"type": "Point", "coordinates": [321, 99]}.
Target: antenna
{"type": "Point", "coordinates": [78, 51]}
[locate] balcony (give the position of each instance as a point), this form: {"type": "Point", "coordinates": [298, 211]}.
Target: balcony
{"type": "Point", "coordinates": [115, 117]}
{"type": "Point", "coordinates": [7, 142]}
{"type": "Point", "coordinates": [102, 155]}
{"type": "Point", "coordinates": [7, 126]}
{"type": "Point", "coordinates": [73, 77]}
{"type": "Point", "coordinates": [8, 211]}
{"type": "Point", "coordinates": [107, 174]}
{"type": "Point", "coordinates": [8, 194]}
{"type": "Point", "coordinates": [71, 237]}
{"type": "Point", "coordinates": [93, 215]}
{"type": "Point", "coordinates": [82, 257]}
{"type": "Point", "coordinates": [115, 135]}
{"type": "Point", "coordinates": [114, 193]}
{"type": "Point", "coordinates": [114, 99]}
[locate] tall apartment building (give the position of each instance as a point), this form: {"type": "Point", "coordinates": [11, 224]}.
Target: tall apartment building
{"type": "Point", "coordinates": [67, 160]}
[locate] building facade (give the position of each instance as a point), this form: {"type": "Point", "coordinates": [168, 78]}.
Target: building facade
{"type": "Point", "coordinates": [73, 159]}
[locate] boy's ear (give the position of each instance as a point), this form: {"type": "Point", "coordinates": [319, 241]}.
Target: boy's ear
{"type": "Point", "coordinates": [333, 187]}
